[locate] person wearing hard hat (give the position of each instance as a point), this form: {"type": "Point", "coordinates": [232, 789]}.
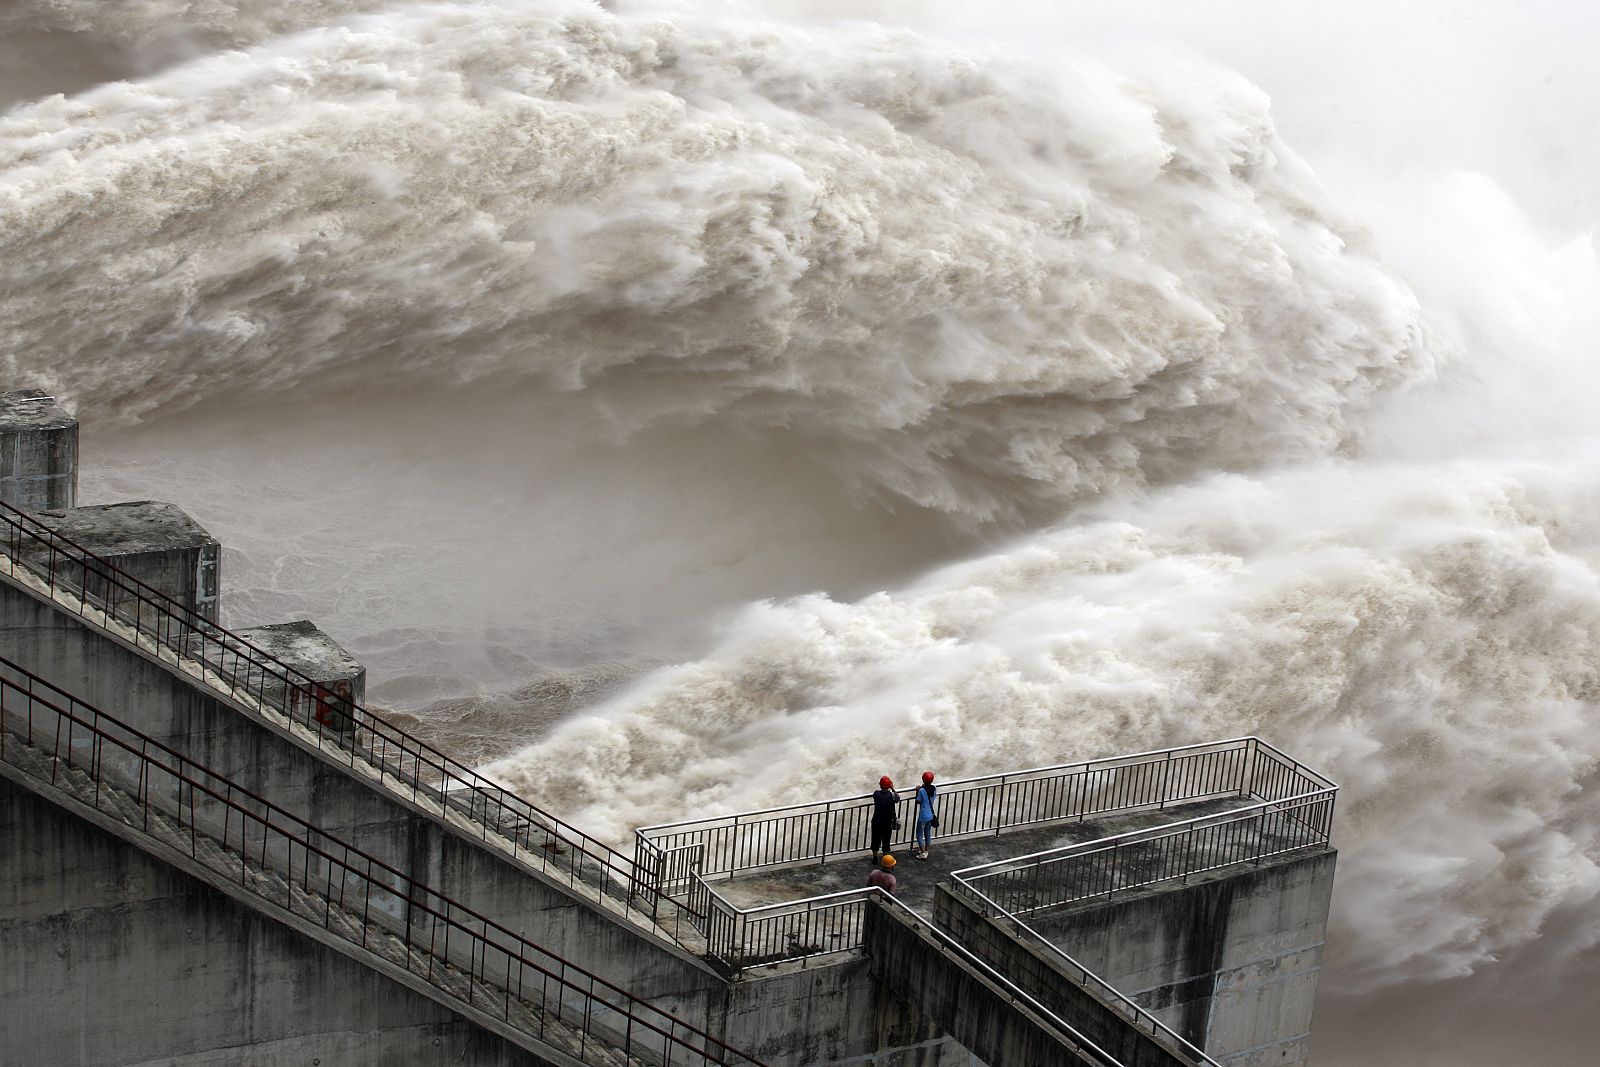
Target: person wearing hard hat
{"type": "Point", "coordinates": [882, 875]}
{"type": "Point", "coordinates": [885, 817]}
{"type": "Point", "coordinates": [927, 816]}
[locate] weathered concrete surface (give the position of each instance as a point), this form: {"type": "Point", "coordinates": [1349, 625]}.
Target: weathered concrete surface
{"type": "Point", "coordinates": [38, 452]}
{"type": "Point", "coordinates": [268, 760]}
{"type": "Point", "coordinates": [966, 1003]}
{"type": "Point", "coordinates": [112, 957]}
{"type": "Point", "coordinates": [836, 1012]}
{"type": "Point", "coordinates": [1229, 961]}
{"type": "Point", "coordinates": [302, 646]}
{"type": "Point", "coordinates": [1044, 976]}
{"type": "Point", "coordinates": [157, 543]}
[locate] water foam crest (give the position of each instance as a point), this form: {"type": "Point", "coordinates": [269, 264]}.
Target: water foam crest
{"type": "Point", "coordinates": [1425, 635]}
{"type": "Point", "coordinates": [983, 288]}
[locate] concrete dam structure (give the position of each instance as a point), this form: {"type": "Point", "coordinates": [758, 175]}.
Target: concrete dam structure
{"type": "Point", "coordinates": [217, 854]}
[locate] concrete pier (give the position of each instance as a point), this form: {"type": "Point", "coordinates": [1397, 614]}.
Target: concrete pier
{"type": "Point", "coordinates": [38, 452]}
{"type": "Point", "coordinates": [154, 542]}
{"type": "Point", "coordinates": [1230, 960]}
{"type": "Point", "coordinates": [339, 683]}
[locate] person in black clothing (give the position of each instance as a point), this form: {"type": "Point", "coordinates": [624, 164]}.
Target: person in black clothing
{"type": "Point", "coordinates": [885, 820]}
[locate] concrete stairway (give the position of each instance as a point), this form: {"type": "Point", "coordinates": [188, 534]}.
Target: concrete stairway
{"type": "Point", "coordinates": [551, 1023]}
{"type": "Point", "coordinates": [978, 1006]}
{"type": "Point", "coordinates": [210, 659]}
{"type": "Point", "coordinates": [1063, 986]}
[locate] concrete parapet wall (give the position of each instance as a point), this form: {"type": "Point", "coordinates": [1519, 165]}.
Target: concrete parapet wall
{"type": "Point", "coordinates": [958, 997]}
{"type": "Point", "coordinates": [113, 957]}
{"type": "Point", "coordinates": [835, 1013]}
{"type": "Point", "coordinates": [1044, 976]}
{"type": "Point", "coordinates": [165, 704]}
{"type": "Point", "coordinates": [1229, 961]}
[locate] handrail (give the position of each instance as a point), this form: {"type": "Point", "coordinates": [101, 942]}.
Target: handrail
{"type": "Point", "coordinates": [790, 930]}
{"type": "Point", "coordinates": [799, 833]}
{"type": "Point", "coordinates": [169, 624]}
{"type": "Point", "coordinates": [1093, 870]}
{"type": "Point", "coordinates": [1163, 830]}
{"type": "Point", "coordinates": [1113, 997]}
{"type": "Point", "coordinates": [344, 863]}
{"type": "Point", "coordinates": [1127, 759]}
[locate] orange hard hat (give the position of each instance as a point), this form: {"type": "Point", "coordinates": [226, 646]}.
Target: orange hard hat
{"type": "Point", "coordinates": [888, 862]}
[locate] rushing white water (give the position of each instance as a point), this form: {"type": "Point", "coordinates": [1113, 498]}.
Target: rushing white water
{"type": "Point", "coordinates": [507, 335]}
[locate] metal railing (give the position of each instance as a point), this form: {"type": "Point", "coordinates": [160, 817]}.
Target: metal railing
{"type": "Point", "coordinates": [1095, 870]}
{"type": "Point", "coordinates": [807, 833]}
{"type": "Point", "coordinates": [676, 855]}
{"type": "Point", "coordinates": [292, 865]}
{"type": "Point", "coordinates": [98, 591]}
{"type": "Point", "coordinates": [798, 930]}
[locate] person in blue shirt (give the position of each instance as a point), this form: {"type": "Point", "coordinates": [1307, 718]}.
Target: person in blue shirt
{"type": "Point", "coordinates": [927, 815]}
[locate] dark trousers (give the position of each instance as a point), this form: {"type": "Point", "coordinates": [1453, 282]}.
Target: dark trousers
{"type": "Point", "coordinates": [881, 832]}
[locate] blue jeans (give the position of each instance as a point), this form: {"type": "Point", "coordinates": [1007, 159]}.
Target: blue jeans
{"type": "Point", "coordinates": [924, 833]}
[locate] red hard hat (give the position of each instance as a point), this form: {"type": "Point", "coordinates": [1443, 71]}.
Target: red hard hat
{"type": "Point", "coordinates": [927, 776]}
{"type": "Point", "coordinates": [884, 783]}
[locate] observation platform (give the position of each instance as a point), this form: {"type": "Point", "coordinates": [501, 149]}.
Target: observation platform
{"type": "Point", "coordinates": [917, 879]}
{"type": "Point", "coordinates": [788, 883]}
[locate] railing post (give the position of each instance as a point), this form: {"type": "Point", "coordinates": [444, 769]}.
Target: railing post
{"type": "Point", "coordinates": [1000, 806]}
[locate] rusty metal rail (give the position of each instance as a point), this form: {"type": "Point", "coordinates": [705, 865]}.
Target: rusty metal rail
{"type": "Point", "coordinates": [290, 864]}
{"type": "Point", "coordinates": [97, 590]}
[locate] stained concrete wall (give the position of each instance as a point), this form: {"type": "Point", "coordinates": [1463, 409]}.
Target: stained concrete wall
{"type": "Point", "coordinates": [1047, 978]}
{"type": "Point", "coordinates": [835, 1012]}
{"type": "Point", "coordinates": [1230, 962]}
{"type": "Point", "coordinates": [113, 957]}
{"type": "Point", "coordinates": [982, 1015]}
{"type": "Point", "coordinates": [164, 704]}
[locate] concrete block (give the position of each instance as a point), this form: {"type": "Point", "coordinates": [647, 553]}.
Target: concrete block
{"type": "Point", "coordinates": [339, 682]}
{"type": "Point", "coordinates": [38, 452]}
{"type": "Point", "coordinates": [157, 543]}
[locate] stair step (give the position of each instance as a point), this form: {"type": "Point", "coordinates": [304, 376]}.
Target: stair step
{"type": "Point", "coordinates": [272, 888]}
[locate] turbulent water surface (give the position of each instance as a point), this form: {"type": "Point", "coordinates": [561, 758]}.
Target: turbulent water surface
{"type": "Point", "coordinates": [689, 407]}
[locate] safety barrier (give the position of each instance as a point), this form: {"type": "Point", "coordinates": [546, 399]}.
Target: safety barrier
{"type": "Point", "coordinates": [289, 864]}
{"type": "Point", "coordinates": [807, 833]}
{"type": "Point", "coordinates": [1070, 1036]}
{"type": "Point", "coordinates": [1100, 869]}
{"type": "Point", "coordinates": [95, 589]}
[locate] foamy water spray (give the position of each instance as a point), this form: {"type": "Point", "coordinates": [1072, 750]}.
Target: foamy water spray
{"type": "Point", "coordinates": [982, 289]}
